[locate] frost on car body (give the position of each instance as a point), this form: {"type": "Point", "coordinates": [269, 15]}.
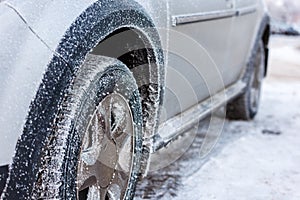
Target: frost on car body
{"type": "Point", "coordinates": [46, 45]}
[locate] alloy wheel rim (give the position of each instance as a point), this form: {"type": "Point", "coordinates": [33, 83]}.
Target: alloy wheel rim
{"type": "Point", "coordinates": [106, 156]}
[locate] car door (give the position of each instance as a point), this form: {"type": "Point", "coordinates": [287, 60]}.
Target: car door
{"type": "Point", "coordinates": [197, 51]}
{"type": "Point", "coordinates": [242, 37]}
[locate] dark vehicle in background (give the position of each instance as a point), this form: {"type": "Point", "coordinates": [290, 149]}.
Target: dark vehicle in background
{"type": "Point", "coordinates": [281, 28]}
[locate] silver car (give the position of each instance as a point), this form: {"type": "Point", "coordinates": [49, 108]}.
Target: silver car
{"type": "Point", "coordinates": [90, 89]}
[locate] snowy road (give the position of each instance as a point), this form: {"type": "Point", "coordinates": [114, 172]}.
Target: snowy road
{"type": "Point", "coordinates": [257, 160]}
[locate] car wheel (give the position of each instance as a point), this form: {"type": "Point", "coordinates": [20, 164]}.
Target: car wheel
{"type": "Point", "coordinates": [95, 149]}
{"type": "Point", "coordinates": [245, 107]}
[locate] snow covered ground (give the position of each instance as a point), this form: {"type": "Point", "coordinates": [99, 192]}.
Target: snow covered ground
{"type": "Point", "coordinates": [257, 160]}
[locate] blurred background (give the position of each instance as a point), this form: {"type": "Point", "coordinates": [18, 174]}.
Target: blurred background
{"type": "Point", "coordinates": [285, 16]}
{"type": "Point", "coordinates": [285, 10]}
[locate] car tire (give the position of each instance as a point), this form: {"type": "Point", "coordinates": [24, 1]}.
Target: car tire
{"type": "Point", "coordinates": [95, 148]}
{"type": "Point", "coordinates": [246, 105]}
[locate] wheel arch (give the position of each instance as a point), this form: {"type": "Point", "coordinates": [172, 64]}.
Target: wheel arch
{"type": "Point", "coordinates": [144, 41]}
{"type": "Point", "coordinates": [266, 38]}
{"type": "Point", "coordinates": [100, 20]}
{"type": "Point", "coordinates": [132, 46]}
{"type": "Point", "coordinates": [263, 34]}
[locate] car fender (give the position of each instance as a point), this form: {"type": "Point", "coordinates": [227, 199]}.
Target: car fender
{"type": "Point", "coordinates": [23, 60]}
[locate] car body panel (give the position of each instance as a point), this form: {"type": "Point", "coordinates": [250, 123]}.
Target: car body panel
{"type": "Point", "coordinates": [49, 19]}
{"type": "Point", "coordinates": [200, 68]}
{"type": "Point", "coordinates": [243, 36]}
{"type": "Point", "coordinates": [59, 15]}
{"type": "Point", "coordinates": [21, 73]}
{"type": "Point", "coordinates": [218, 58]}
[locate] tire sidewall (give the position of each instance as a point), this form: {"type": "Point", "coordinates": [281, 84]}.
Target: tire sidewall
{"type": "Point", "coordinates": [257, 70]}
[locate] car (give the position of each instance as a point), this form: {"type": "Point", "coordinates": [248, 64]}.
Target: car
{"type": "Point", "coordinates": [90, 89]}
{"type": "Point", "coordinates": [280, 28]}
